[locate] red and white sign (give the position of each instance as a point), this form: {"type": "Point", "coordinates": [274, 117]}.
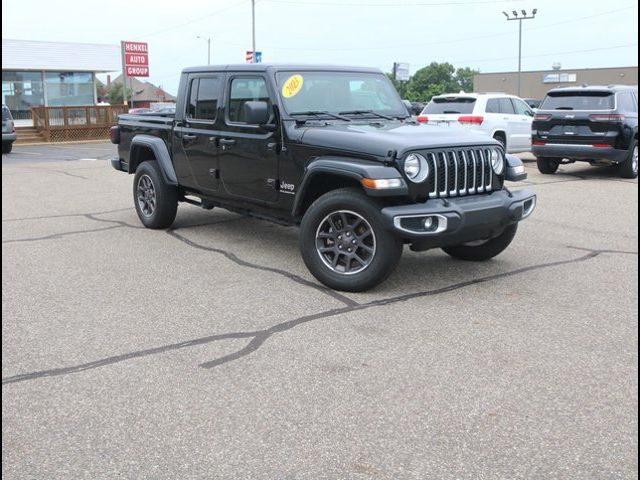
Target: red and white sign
{"type": "Point", "coordinates": [135, 58]}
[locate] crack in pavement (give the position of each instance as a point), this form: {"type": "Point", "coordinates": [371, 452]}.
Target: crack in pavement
{"type": "Point", "coordinates": [55, 236]}
{"type": "Point", "coordinates": [103, 212]}
{"type": "Point", "coordinates": [243, 263]}
{"type": "Point", "coordinates": [258, 338]}
{"type": "Point", "coordinates": [51, 170]}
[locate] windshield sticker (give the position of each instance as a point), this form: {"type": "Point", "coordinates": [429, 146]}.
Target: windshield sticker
{"type": "Point", "coordinates": [292, 86]}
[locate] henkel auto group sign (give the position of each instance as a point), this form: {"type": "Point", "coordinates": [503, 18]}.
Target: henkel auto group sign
{"type": "Point", "coordinates": [135, 57]}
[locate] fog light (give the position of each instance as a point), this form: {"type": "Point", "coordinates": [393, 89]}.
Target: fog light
{"type": "Point", "coordinates": [428, 223]}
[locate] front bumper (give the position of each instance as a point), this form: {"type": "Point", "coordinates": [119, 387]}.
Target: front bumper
{"type": "Point", "coordinates": [579, 152]}
{"type": "Point", "coordinates": [459, 220]}
{"type": "Point", "coordinates": [9, 137]}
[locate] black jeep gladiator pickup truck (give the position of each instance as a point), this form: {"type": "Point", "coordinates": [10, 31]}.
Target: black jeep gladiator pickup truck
{"type": "Point", "coordinates": [332, 149]}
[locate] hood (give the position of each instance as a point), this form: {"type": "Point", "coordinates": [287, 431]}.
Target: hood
{"type": "Point", "coordinates": [378, 139]}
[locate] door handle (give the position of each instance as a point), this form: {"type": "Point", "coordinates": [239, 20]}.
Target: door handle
{"type": "Point", "coordinates": [227, 141]}
{"type": "Point", "coordinates": [186, 136]}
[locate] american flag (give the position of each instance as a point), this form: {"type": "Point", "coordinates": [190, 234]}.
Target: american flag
{"type": "Point", "coordinates": [249, 56]}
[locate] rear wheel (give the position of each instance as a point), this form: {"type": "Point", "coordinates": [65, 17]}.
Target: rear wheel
{"type": "Point", "coordinates": [156, 202]}
{"type": "Point", "coordinates": [484, 249]}
{"type": "Point", "coordinates": [6, 147]}
{"type": "Point", "coordinates": [344, 243]}
{"type": "Point", "coordinates": [629, 169]}
{"type": "Point", "coordinates": [548, 166]}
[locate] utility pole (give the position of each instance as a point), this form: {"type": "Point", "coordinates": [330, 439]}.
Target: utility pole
{"type": "Point", "coordinates": [520, 18]}
{"type": "Point", "coordinates": [253, 30]}
{"type": "Point", "coordinates": [208, 39]}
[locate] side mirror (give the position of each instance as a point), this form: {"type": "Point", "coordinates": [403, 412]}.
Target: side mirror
{"type": "Point", "coordinates": [515, 169]}
{"type": "Point", "coordinates": [255, 113]}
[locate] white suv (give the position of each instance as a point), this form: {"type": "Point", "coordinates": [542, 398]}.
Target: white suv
{"type": "Point", "coordinates": [506, 118]}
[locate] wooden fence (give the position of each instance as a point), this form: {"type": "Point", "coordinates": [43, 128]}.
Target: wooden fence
{"type": "Point", "coordinates": [65, 124]}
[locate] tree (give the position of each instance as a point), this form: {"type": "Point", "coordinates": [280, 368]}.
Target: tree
{"type": "Point", "coordinates": [464, 77]}
{"type": "Point", "coordinates": [115, 93]}
{"type": "Point", "coordinates": [436, 79]}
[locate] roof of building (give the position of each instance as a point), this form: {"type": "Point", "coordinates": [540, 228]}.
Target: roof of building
{"type": "Point", "coordinates": [60, 56]}
{"type": "Point", "coordinates": [145, 91]}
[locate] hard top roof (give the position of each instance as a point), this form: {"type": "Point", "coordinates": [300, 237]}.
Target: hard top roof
{"type": "Point", "coordinates": [272, 67]}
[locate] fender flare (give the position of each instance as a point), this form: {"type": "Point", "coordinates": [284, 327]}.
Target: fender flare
{"type": "Point", "coordinates": [351, 168]}
{"type": "Point", "coordinates": [161, 153]}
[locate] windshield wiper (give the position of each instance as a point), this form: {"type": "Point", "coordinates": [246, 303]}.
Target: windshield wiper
{"type": "Point", "coordinates": [319, 113]}
{"type": "Point", "coordinates": [564, 108]}
{"type": "Point", "coordinates": [366, 112]}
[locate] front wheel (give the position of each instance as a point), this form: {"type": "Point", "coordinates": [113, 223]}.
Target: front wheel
{"type": "Point", "coordinates": [156, 202]}
{"type": "Point", "coordinates": [484, 250]}
{"type": "Point", "coordinates": [548, 166]}
{"type": "Point", "coordinates": [344, 243]}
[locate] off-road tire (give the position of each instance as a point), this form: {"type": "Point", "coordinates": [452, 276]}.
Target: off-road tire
{"type": "Point", "coordinates": [548, 166]}
{"type": "Point", "coordinates": [485, 251]}
{"type": "Point", "coordinates": [387, 247]}
{"type": "Point", "coordinates": [165, 197]}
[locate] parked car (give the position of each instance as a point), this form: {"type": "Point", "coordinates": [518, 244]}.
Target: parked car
{"type": "Point", "coordinates": [171, 109]}
{"type": "Point", "coordinates": [505, 118]}
{"type": "Point", "coordinates": [534, 103]}
{"type": "Point", "coordinates": [415, 107]}
{"type": "Point", "coordinates": [595, 124]}
{"type": "Point", "coordinates": [135, 111]}
{"type": "Point", "coordinates": [333, 150]}
{"type": "Point", "coordinates": [8, 130]}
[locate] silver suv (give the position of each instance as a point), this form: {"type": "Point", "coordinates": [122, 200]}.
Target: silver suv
{"type": "Point", "coordinates": [8, 130]}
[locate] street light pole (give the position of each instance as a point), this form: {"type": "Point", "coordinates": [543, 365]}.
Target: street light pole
{"type": "Point", "coordinates": [253, 30]}
{"type": "Point", "coordinates": [520, 18]}
{"type": "Point", "coordinates": [208, 39]}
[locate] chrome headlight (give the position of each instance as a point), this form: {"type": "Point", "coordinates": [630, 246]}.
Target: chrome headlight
{"type": "Point", "coordinates": [497, 161]}
{"type": "Point", "coordinates": [416, 167]}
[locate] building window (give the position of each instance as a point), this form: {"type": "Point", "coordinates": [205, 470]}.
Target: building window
{"type": "Point", "coordinates": [559, 78]}
{"type": "Point", "coordinates": [69, 88]}
{"type": "Point", "coordinates": [21, 91]}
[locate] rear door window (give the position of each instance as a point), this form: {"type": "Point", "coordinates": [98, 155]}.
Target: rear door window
{"type": "Point", "coordinates": [203, 98]}
{"type": "Point", "coordinates": [506, 106]}
{"type": "Point", "coordinates": [450, 105]}
{"type": "Point", "coordinates": [579, 101]}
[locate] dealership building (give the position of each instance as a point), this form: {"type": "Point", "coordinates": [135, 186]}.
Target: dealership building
{"type": "Point", "coordinates": [536, 84]}
{"type": "Point", "coordinates": [53, 73]}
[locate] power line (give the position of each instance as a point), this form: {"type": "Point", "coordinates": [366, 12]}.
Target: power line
{"type": "Point", "coordinates": [195, 20]}
{"type": "Point", "coordinates": [445, 42]}
{"type": "Point", "coordinates": [547, 54]}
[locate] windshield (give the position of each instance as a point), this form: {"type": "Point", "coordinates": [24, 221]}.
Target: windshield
{"type": "Point", "coordinates": [336, 92]}
{"type": "Point", "coordinates": [578, 101]}
{"type": "Point", "coordinates": [450, 105]}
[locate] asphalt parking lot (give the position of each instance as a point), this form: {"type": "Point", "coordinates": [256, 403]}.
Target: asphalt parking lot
{"type": "Point", "coordinates": [209, 351]}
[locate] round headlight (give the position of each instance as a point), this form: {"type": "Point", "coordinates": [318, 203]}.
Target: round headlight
{"type": "Point", "coordinates": [497, 161]}
{"type": "Point", "coordinates": [416, 167]}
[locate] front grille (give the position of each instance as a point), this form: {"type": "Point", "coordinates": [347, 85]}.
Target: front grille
{"type": "Point", "coordinates": [459, 172]}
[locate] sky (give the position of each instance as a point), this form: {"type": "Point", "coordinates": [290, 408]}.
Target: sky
{"type": "Point", "coordinates": [375, 33]}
